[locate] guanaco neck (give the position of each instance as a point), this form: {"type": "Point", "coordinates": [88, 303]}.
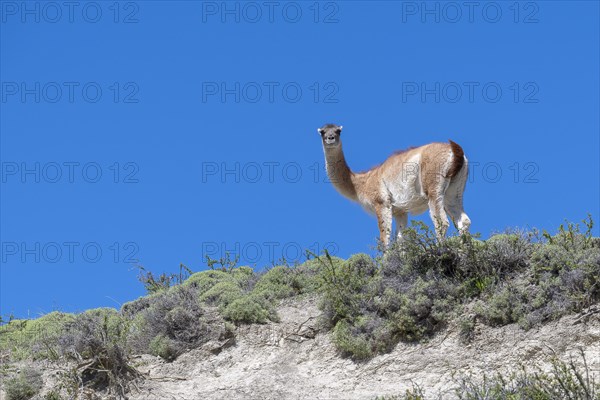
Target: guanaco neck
{"type": "Point", "coordinates": [343, 179]}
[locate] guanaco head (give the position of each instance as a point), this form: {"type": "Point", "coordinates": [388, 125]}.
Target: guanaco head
{"type": "Point", "coordinates": [330, 133]}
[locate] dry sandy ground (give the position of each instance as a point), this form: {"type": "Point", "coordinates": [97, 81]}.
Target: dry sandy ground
{"type": "Point", "coordinates": [293, 360]}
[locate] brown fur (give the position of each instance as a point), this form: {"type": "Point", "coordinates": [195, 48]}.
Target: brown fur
{"type": "Point", "coordinates": [458, 160]}
{"type": "Point", "coordinates": [340, 175]}
{"type": "Point", "coordinates": [433, 164]}
{"type": "Point", "coordinates": [395, 153]}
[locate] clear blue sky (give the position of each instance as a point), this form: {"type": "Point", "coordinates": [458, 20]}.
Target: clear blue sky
{"type": "Point", "coordinates": [158, 133]}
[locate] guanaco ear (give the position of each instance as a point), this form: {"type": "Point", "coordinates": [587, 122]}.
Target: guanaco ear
{"type": "Point", "coordinates": [321, 131]}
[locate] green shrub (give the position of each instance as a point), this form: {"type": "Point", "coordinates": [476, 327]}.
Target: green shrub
{"type": "Point", "coordinates": [222, 294]}
{"type": "Point", "coordinates": [466, 331]}
{"type": "Point", "coordinates": [565, 274]}
{"type": "Point", "coordinates": [242, 274]}
{"type": "Point", "coordinates": [53, 395]}
{"type": "Point", "coordinates": [36, 338]}
{"type": "Point", "coordinates": [179, 320]}
{"type": "Point", "coordinates": [352, 344]}
{"type": "Point", "coordinates": [507, 253]}
{"type": "Point", "coordinates": [560, 275]}
{"type": "Point", "coordinates": [553, 259]}
{"type": "Point", "coordinates": [24, 385]}
{"type": "Point", "coordinates": [249, 309]}
{"type": "Point", "coordinates": [134, 307]}
{"type": "Point", "coordinates": [503, 306]}
{"type": "Point", "coordinates": [164, 347]}
{"type": "Point", "coordinates": [205, 280]}
{"type": "Point", "coordinates": [278, 283]}
{"type": "Point", "coordinates": [307, 275]}
{"type": "Point", "coordinates": [344, 286]}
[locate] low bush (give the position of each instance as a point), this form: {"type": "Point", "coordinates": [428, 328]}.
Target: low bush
{"type": "Point", "coordinates": [250, 309]}
{"type": "Point", "coordinates": [35, 338]}
{"type": "Point", "coordinates": [562, 275]}
{"type": "Point", "coordinates": [24, 386]}
{"type": "Point", "coordinates": [243, 296]}
{"type": "Point", "coordinates": [419, 284]}
{"type": "Point", "coordinates": [176, 321]}
{"type": "Point", "coordinates": [53, 395]}
{"type": "Point", "coordinates": [164, 347]}
{"type": "Point", "coordinates": [502, 306]}
{"type": "Point", "coordinates": [134, 307]}
{"type": "Point", "coordinates": [205, 280]}
{"type": "Point", "coordinates": [352, 340]}
{"type": "Point", "coordinates": [97, 340]}
{"type": "Point", "coordinates": [222, 294]}
{"type": "Point", "coordinates": [278, 283]}
{"type": "Point", "coordinates": [172, 321]}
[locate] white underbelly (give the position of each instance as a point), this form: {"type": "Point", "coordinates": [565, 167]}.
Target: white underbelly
{"type": "Point", "coordinates": [406, 191]}
{"type": "Point", "coordinates": [419, 207]}
{"type": "Point", "coordinates": [413, 205]}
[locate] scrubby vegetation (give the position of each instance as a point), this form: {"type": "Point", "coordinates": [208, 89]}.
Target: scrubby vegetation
{"type": "Point", "coordinates": [565, 380]}
{"type": "Point", "coordinates": [173, 322]}
{"type": "Point", "coordinates": [24, 385]}
{"type": "Point", "coordinates": [97, 341]}
{"type": "Point", "coordinates": [34, 338]}
{"type": "Point", "coordinates": [369, 304]}
{"type": "Point", "coordinates": [419, 285]}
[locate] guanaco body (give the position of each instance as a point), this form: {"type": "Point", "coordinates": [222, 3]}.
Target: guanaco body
{"type": "Point", "coordinates": [431, 177]}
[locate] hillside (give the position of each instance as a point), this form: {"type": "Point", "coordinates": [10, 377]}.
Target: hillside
{"type": "Point", "coordinates": [436, 320]}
